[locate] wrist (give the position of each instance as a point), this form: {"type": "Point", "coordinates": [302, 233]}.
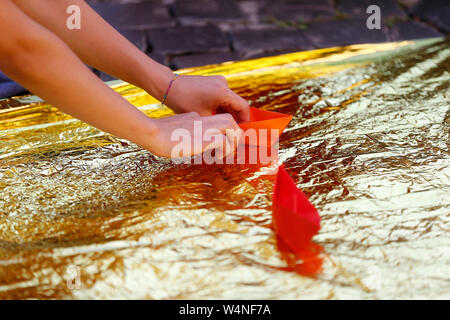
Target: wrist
{"type": "Point", "coordinates": [147, 133]}
{"type": "Point", "coordinates": [155, 79]}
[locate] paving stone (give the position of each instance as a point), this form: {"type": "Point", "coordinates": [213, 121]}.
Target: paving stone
{"type": "Point", "coordinates": [250, 9]}
{"type": "Point", "coordinates": [136, 37]}
{"type": "Point", "coordinates": [104, 76]}
{"type": "Point", "coordinates": [411, 30]}
{"type": "Point", "coordinates": [389, 9]}
{"type": "Point", "coordinates": [190, 39]}
{"type": "Point", "coordinates": [196, 60]}
{"type": "Point", "coordinates": [435, 11]}
{"type": "Point", "coordinates": [9, 88]}
{"type": "Point", "coordinates": [250, 43]}
{"type": "Point", "coordinates": [298, 10]}
{"type": "Point", "coordinates": [408, 4]}
{"type": "Point", "coordinates": [160, 58]}
{"type": "Point", "coordinates": [194, 11]}
{"type": "Point", "coordinates": [344, 32]}
{"type": "Point", "coordinates": [135, 16]}
{"type": "Point", "coordinates": [129, 1]}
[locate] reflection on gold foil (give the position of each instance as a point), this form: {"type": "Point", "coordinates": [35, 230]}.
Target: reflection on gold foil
{"type": "Point", "coordinates": [368, 144]}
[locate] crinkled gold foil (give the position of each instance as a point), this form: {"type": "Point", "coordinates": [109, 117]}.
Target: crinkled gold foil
{"type": "Point", "coordinates": [87, 215]}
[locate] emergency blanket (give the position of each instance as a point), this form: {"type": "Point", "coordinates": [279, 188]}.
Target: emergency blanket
{"type": "Point", "coordinates": [86, 215]}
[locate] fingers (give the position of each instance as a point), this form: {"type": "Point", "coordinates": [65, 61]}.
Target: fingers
{"type": "Point", "coordinates": [220, 144]}
{"type": "Point", "coordinates": [230, 102]}
{"type": "Point", "coordinates": [227, 126]}
{"type": "Point", "coordinates": [221, 134]}
{"type": "Point", "coordinates": [218, 132]}
{"type": "Point", "coordinates": [222, 122]}
{"type": "Point", "coordinates": [181, 116]}
{"type": "Point", "coordinates": [240, 106]}
{"type": "Point", "coordinates": [235, 105]}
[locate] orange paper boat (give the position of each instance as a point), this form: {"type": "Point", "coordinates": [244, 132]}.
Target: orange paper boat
{"type": "Point", "coordinates": [258, 131]}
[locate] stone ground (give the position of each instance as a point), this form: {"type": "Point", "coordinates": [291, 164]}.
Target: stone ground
{"type": "Point", "coordinates": [188, 33]}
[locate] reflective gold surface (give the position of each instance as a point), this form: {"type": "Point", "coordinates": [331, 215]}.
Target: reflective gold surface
{"type": "Point", "coordinates": [369, 144]}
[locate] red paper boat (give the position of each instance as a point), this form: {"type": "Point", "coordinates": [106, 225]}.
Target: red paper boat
{"type": "Point", "coordinates": [262, 122]}
{"type": "Point", "coordinates": [295, 219]}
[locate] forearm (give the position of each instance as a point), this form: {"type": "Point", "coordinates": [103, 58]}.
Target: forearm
{"type": "Point", "coordinates": [66, 83]}
{"type": "Point", "coordinates": [40, 61]}
{"type": "Point", "coordinates": [99, 45]}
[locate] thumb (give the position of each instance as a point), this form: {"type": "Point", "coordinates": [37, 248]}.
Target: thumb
{"type": "Point", "coordinates": [237, 106]}
{"type": "Point", "coordinates": [222, 145]}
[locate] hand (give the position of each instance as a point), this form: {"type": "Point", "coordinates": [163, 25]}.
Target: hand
{"type": "Point", "coordinates": [188, 134]}
{"type": "Point", "coordinates": [206, 95]}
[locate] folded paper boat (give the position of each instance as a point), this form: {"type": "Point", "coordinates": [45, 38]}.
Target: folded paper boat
{"type": "Point", "coordinates": [262, 122]}
{"type": "Point", "coordinates": [295, 219]}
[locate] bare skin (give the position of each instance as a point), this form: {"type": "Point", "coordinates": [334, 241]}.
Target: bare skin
{"type": "Point", "coordinates": [39, 52]}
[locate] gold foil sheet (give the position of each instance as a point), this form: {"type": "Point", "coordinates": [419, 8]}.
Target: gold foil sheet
{"type": "Point", "coordinates": [84, 214]}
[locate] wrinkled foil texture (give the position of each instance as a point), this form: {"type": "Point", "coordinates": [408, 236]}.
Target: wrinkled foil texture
{"type": "Point", "coordinates": [86, 215]}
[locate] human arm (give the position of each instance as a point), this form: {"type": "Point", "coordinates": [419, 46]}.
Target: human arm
{"type": "Point", "coordinates": [99, 45]}
{"type": "Point", "coordinates": [36, 58]}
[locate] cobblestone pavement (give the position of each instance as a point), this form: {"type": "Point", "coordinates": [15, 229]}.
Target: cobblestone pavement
{"type": "Point", "coordinates": [188, 33]}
